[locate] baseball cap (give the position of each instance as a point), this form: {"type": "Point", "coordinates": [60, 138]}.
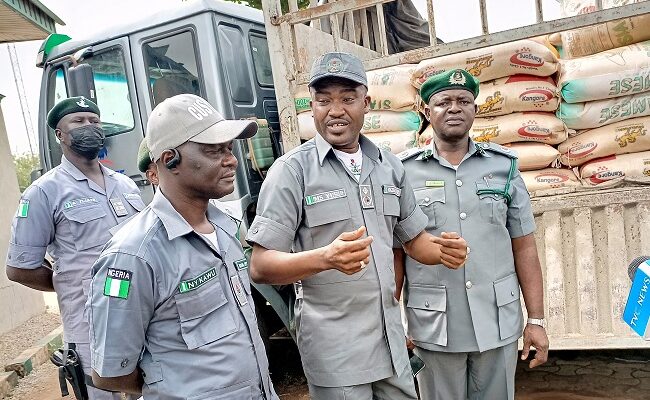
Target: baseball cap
{"type": "Point", "coordinates": [190, 118]}
{"type": "Point", "coordinates": [339, 65]}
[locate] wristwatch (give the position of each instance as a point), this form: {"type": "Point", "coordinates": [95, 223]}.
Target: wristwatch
{"type": "Point", "coordinates": [537, 321]}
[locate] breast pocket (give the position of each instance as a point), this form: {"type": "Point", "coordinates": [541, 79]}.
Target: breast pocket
{"type": "Point", "coordinates": [430, 201]}
{"type": "Point", "coordinates": [87, 226]}
{"type": "Point", "coordinates": [493, 207]}
{"type": "Point", "coordinates": [426, 313]}
{"type": "Point", "coordinates": [204, 315]}
{"type": "Point", "coordinates": [507, 299]}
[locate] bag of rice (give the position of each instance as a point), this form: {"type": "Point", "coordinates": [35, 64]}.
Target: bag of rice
{"type": "Point", "coordinates": [549, 178]}
{"type": "Point", "coordinates": [520, 127]}
{"type": "Point", "coordinates": [614, 73]}
{"type": "Point", "coordinates": [594, 114]}
{"type": "Point", "coordinates": [612, 170]}
{"type": "Point", "coordinates": [533, 156]}
{"type": "Point", "coordinates": [629, 136]}
{"type": "Point", "coordinates": [516, 93]}
{"type": "Point", "coordinates": [519, 57]}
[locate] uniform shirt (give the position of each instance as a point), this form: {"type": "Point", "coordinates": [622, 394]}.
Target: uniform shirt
{"type": "Point", "coordinates": [348, 326]}
{"type": "Point", "coordinates": [162, 292]}
{"type": "Point", "coordinates": [477, 307]}
{"type": "Point", "coordinates": [69, 216]}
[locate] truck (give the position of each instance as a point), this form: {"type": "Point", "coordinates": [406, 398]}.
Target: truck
{"type": "Point", "coordinates": [250, 64]}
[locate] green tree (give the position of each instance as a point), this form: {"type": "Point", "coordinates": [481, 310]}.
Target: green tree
{"type": "Point", "coordinates": [258, 4]}
{"type": "Point", "coordinates": [25, 164]}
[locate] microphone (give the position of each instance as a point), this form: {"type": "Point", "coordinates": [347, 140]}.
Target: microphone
{"type": "Point", "coordinates": [637, 309]}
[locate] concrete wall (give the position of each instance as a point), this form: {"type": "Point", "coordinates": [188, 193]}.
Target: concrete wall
{"type": "Point", "coordinates": [17, 303]}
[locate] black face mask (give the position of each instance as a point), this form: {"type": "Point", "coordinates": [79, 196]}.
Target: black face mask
{"type": "Point", "coordinates": [87, 140]}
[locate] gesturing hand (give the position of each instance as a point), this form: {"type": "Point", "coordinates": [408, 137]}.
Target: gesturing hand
{"type": "Point", "coordinates": [349, 252]}
{"type": "Point", "coordinates": [453, 249]}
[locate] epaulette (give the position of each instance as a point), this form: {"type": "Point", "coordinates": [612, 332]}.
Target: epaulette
{"type": "Point", "coordinates": [406, 154]}
{"type": "Point", "coordinates": [497, 148]}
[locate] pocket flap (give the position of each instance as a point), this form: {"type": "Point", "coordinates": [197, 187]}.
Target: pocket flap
{"type": "Point", "coordinates": [205, 300]}
{"type": "Point", "coordinates": [433, 298]}
{"type": "Point", "coordinates": [151, 372]}
{"type": "Point", "coordinates": [136, 202]}
{"type": "Point", "coordinates": [506, 289]}
{"type": "Point", "coordinates": [84, 214]}
{"type": "Point", "coordinates": [321, 212]}
{"type": "Point", "coordinates": [428, 196]}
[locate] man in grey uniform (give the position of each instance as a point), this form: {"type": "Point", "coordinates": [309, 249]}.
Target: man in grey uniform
{"type": "Point", "coordinates": [466, 323]}
{"type": "Point", "coordinates": [68, 213]}
{"type": "Point", "coordinates": [170, 304]}
{"type": "Point", "coordinates": [326, 216]}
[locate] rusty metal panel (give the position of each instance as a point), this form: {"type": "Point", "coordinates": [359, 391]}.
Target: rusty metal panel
{"type": "Point", "coordinates": [585, 241]}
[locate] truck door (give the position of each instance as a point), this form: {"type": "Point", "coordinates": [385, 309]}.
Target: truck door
{"type": "Point", "coordinates": [117, 101]}
{"type": "Point", "coordinates": [245, 69]}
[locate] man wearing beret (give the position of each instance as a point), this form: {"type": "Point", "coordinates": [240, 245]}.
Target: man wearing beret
{"type": "Point", "coordinates": [68, 213]}
{"type": "Point", "coordinates": [326, 216]}
{"type": "Point", "coordinates": [465, 323]}
{"type": "Point", "coordinates": [145, 165]}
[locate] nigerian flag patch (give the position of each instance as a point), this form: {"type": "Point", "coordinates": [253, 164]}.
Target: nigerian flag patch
{"type": "Point", "coordinates": [23, 208]}
{"type": "Point", "coordinates": [118, 283]}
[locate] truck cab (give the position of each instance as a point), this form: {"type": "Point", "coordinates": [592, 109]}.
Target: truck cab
{"type": "Point", "coordinates": [213, 49]}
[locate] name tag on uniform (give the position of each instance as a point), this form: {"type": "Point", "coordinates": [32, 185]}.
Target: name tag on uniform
{"type": "Point", "coordinates": [390, 189]}
{"type": "Point", "coordinates": [321, 197]}
{"type": "Point", "coordinates": [241, 264]}
{"type": "Point", "coordinates": [238, 290]}
{"type": "Point", "coordinates": [118, 207]}
{"type": "Point", "coordinates": [365, 192]}
{"type": "Point", "coordinates": [434, 183]}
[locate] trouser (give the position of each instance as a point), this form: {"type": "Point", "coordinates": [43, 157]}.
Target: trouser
{"type": "Point", "coordinates": [489, 375]}
{"type": "Point", "coordinates": [83, 350]}
{"type": "Point", "coordinates": [397, 387]}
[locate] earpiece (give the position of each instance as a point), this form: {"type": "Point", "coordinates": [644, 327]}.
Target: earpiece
{"type": "Point", "coordinates": [173, 163]}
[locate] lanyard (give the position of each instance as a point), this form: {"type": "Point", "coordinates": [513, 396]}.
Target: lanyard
{"type": "Point", "coordinates": [505, 192]}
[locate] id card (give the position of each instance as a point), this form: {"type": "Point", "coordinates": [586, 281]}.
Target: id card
{"type": "Point", "coordinates": [417, 365]}
{"type": "Point", "coordinates": [238, 290]}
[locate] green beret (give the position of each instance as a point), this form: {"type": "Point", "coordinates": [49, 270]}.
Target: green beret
{"type": "Point", "coordinates": [449, 80]}
{"type": "Point", "coordinates": [144, 158]}
{"type": "Point", "coordinates": [69, 106]}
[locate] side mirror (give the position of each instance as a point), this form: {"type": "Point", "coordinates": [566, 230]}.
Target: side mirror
{"type": "Point", "coordinates": [81, 82]}
{"type": "Point", "coordinates": [35, 174]}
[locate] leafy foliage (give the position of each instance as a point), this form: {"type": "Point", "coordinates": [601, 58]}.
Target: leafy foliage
{"type": "Point", "coordinates": [25, 164]}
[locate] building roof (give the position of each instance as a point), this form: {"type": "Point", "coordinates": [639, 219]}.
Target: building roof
{"type": "Point", "coordinates": [22, 20]}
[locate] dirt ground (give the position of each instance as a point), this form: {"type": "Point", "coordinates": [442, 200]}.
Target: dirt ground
{"type": "Point", "coordinates": [14, 342]}
{"type": "Point", "coordinates": [569, 375]}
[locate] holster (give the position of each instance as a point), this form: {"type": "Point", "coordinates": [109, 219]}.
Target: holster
{"type": "Point", "coordinates": [70, 370]}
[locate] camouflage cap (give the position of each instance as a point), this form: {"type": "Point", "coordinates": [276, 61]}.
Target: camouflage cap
{"type": "Point", "coordinates": [338, 65]}
{"type": "Point", "coordinates": [449, 80]}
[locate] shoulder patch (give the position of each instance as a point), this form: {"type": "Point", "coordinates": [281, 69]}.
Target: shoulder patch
{"type": "Point", "coordinates": [406, 154]}
{"type": "Point", "coordinates": [497, 148]}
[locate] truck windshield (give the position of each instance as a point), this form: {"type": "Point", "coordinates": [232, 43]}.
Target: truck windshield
{"type": "Point", "coordinates": [111, 85]}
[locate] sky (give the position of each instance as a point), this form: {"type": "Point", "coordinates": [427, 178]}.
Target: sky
{"type": "Point", "coordinates": [81, 20]}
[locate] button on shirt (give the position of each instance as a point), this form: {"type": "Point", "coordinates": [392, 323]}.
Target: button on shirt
{"type": "Point", "coordinates": [349, 329]}
{"type": "Point", "coordinates": [69, 216]}
{"type": "Point", "coordinates": [163, 294]}
{"type": "Point", "coordinates": [477, 307]}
